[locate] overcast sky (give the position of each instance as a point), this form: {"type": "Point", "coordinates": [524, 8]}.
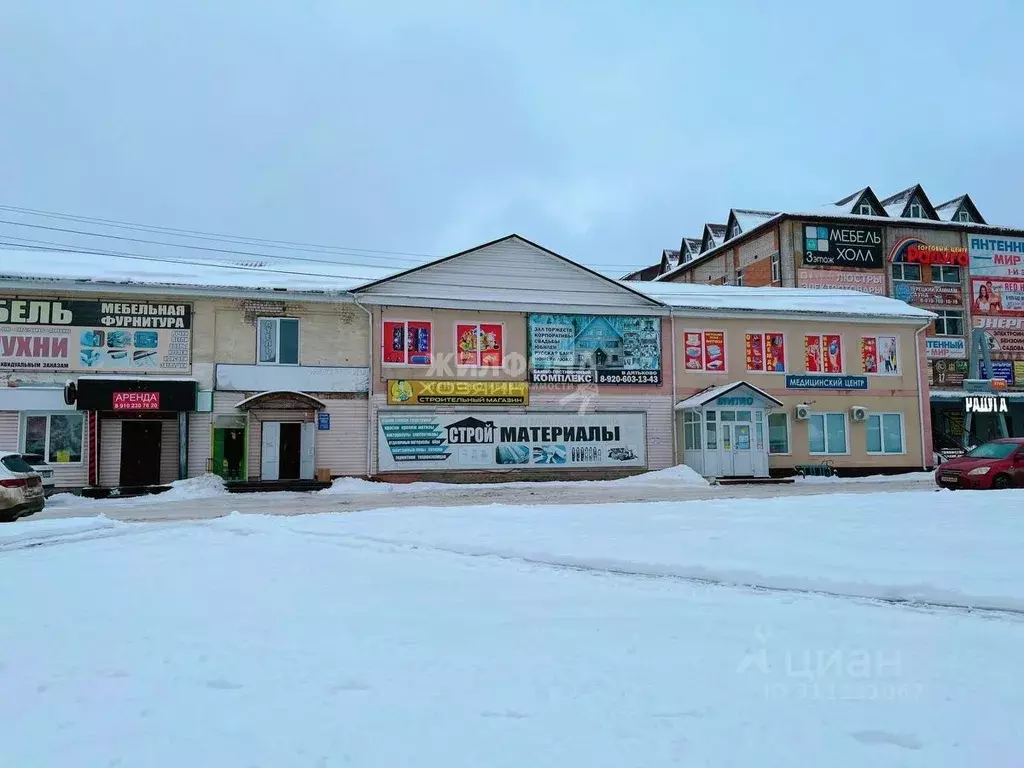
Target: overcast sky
{"type": "Point", "coordinates": [605, 131]}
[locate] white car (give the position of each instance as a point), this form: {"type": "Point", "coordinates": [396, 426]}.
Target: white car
{"type": "Point", "coordinates": [21, 488]}
{"type": "Point", "coordinates": [38, 463]}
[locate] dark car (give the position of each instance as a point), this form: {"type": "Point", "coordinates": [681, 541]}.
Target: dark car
{"type": "Point", "coordinates": [998, 464]}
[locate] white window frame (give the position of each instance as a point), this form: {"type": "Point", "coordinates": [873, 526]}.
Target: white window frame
{"type": "Point", "coordinates": [865, 209]}
{"type": "Point", "coordinates": [915, 210]}
{"type": "Point", "coordinates": [776, 267]}
{"type": "Point", "coordinates": [725, 349]}
{"type": "Point", "coordinates": [734, 230]}
{"type": "Point", "coordinates": [739, 277]}
{"type": "Point", "coordinates": [277, 341]}
{"type": "Point", "coordinates": [455, 344]}
{"type": "Point", "coordinates": [693, 424]}
{"type": "Point", "coordinates": [405, 322]}
{"type": "Point", "coordinates": [903, 264]}
{"type": "Point", "coordinates": [764, 356]}
{"type": "Point", "coordinates": [899, 356]}
{"type": "Point", "coordinates": [789, 434]}
{"type": "Point", "coordinates": [824, 422]}
{"type": "Point", "coordinates": [940, 268]}
{"type": "Point", "coordinates": [942, 316]}
{"type": "Point", "coordinates": [820, 335]}
{"type": "Point", "coordinates": [881, 434]}
{"type": "Point", "coordinates": [964, 215]}
{"type": "Point", "coordinates": [23, 435]}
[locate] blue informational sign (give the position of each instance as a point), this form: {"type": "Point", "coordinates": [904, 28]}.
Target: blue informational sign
{"type": "Point", "coordinates": [826, 381]}
{"type": "Point", "coordinates": [323, 420]}
{"type": "Point", "coordinates": [1001, 369]}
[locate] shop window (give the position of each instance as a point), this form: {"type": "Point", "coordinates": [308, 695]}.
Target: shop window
{"type": "Point", "coordinates": [57, 437]}
{"type": "Point", "coordinates": [823, 353]}
{"type": "Point", "coordinates": [826, 433]}
{"type": "Point", "coordinates": [778, 433]}
{"type": "Point", "coordinates": [711, 430]}
{"type": "Point", "coordinates": [950, 322]}
{"type": "Point", "coordinates": [885, 433]}
{"type": "Point", "coordinates": [704, 351]}
{"type": "Point", "coordinates": [776, 268]}
{"type": "Point", "coordinates": [765, 352]}
{"type": "Point", "coordinates": [407, 342]}
{"type": "Point", "coordinates": [278, 341]}
{"type": "Point", "coordinates": [482, 345]}
{"type": "Point", "coordinates": [880, 355]}
{"type": "Point", "coordinates": [945, 274]}
{"type": "Point", "coordinates": [691, 430]}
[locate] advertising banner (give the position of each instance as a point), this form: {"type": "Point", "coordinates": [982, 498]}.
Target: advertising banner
{"type": "Point", "coordinates": [834, 245]}
{"type": "Point", "coordinates": [480, 344]}
{"type": "Point", "coordinates": [947, 373]}
{"type": "Point", "coordinates": [412, 392]}
{"type": "Point", "coordinates": [934, 294]}
{"type": "Point", "coordinates": [1018, 373]}
{"type": "Point", "coordinates": [993, 256]}
{"type": "Point", "coordinates": [431, 442]}
{"type": "Point", "coordinates": [88, 336]}
{"type": "Point", "coordinates": [1006, 335]}
{"type": "Point", "coordinates": [1001, 369]}
{"type": "Point", "coordinates": [996, 296]}
{"type": "Point", "coordinates": [911, 250]}
{"type": "Point", "coordinates": [867, 282]}
{"type": "Point", "coordinates": [823, 353]}
{"type": "Point", "coordinates": [594, 349]}
{"type": "Point", "coordinates": [804, 381]}
{"type": "Point", "coordinates": [945, 347]}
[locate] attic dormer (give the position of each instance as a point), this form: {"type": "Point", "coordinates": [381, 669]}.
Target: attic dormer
{"type": "Point", "coordinates": [961, 209]}
{"type": "Point", "coordinates": [911, 203]}
{"type": "Point", "coordinates": [863, 202]}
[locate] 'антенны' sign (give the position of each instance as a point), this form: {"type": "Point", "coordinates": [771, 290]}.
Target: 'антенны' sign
{"type": "Point", "coordinates": [815, 381]}
{"type": "Point", "coordinates": [841, 246]}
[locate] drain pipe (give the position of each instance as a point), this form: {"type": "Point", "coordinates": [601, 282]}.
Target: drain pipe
{"type": "Point", "coordinates": [676, 458]}
{"type": "Point", "coordinates": [370, 427]}
{"type": "Point", "coordinates": [921, 377]}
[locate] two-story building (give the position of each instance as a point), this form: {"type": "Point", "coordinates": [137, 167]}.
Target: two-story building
{"type": "Point", "coordinates": [946, 259]}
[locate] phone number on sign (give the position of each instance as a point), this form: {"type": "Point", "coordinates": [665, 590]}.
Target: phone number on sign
{"type": "Point", "coordinates": [632, 377]}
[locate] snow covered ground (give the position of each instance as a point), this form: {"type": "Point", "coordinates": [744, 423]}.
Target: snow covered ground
{"type": "Point", "coordinates": [713, 632]}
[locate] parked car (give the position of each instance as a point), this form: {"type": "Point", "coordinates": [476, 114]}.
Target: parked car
{"type": "Point", "coordinates": [998, 464]}
{"type": "Point", "coordinates": [38, 463]}
{"type": "Point", "coordinates": [21, 488]}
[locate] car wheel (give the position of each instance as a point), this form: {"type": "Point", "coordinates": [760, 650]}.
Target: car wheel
{"type": "Point", "coordinates": [1001, 482]}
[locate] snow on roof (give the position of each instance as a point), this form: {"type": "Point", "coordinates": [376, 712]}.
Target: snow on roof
{"type": "Point", "coordinates": [895, 205]}
{"type": "Point", "coordinates": [713, 393]}
{"type": "Point", "coordinates": [749, 219]}
{"type": "Point", "coordinates": [263, 274]}
{"type": "Point", "coordinates": [949, 208]}
{"type": "Point", "coordinates": [779, 300]}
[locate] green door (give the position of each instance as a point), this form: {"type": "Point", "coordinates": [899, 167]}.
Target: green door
{"type": "Point", "coordinates": [230, 453]}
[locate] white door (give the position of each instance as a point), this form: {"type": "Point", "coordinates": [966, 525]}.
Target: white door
{"type": "Point", "coordinates": [270, 451]}
{"type": "Point", "coordinates": [742, 449]}
{"type": "Point", "coordinates": [307, 452]}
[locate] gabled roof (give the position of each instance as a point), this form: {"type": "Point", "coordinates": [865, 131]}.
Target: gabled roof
{"type": "Point", "coordinates": [669, 260]}
{"type": "Point", "coordinates": [747, 219]}
{"type": "Point", "coordinates": [897, 206]}
{"type": "Point", "coordinates": [851, 203]}
{"type": "Point", "coordinates": [598, 319]}
{"type": "Point", "coordinates": [949, 210]}
{"type": "Point", "coordinates": [688, 249]}
{"type": "Point", "coordinates": [714, 236]}
{"type": "Point", "coordinates": [647, 273]}
{"type": "Point", "coordinates": [713, 393]}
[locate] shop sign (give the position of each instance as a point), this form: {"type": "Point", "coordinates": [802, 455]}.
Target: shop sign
{"type": "Point", "coordinates": [985, 404]}
{"type": "Point", "coordinates": [594, 349]}
{"type": "Point", "coordinates": [1001, 369]}
{"type": "Point", "coordinates": [429, 392]}
{"type": "Point", "coordinates": [997, 297]}
{"type": "Point", "coordinates": [994, 256]}
{"type": "Point", "coordinates": [136, 401]}
{"type": "Point", "coordinates": [947, 373]}
{"type": "Point", "coordinates": [939, 347]}
{"type": "Point", "coordinates": [323, 421]}
{"type": "Point", "coordinates": [834, 279]}
{"type": "Point", "coordinates": [841, 246]}
{"type": "Point", "coordinates": [814, 381]}
{"type": "Point", "coordinates": [544, 441]}
{"type": "Point", "coordinates": [725, 401]}
{"type": "Point", "coordinates": [913, 251]}
{"type": "Point", "coordinates": [1018, 372]}
{"type": "Point", "coordinates": [935, 294]}
{"type": "Point", "coordinates": [94, 336]}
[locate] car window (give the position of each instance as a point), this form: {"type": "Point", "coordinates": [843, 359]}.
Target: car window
{"type": "Point", "coordinates": [993, 451]}
{"type": "Point", "coordinates": [33, 458]}
{"type": "Point", "coordinates": [16, 464]}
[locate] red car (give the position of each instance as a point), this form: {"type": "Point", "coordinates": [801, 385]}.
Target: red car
{"type": "Point", "coordinates": [999, 464]}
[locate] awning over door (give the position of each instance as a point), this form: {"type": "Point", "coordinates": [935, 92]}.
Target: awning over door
{"type": "Point", "coordinates": [282, 400]}
{"type": "Point", "coordinates": [732, 394]}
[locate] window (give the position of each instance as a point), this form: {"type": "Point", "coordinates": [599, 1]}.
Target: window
{"type": "Point", "coordinates": [778, 433]}
{"type": "Point", "coordinates": [712, 430]}
{"type": "Point", "coordinates": [704, 351]}
{"type": "Point", "coordinates": [945, 274]}
{"type": "Point", "coordinates": [407, 342]}
{"type": "Point", "coordinates": [278, 341]}
{"type": "Point", "coordinates": [964, 215]}
{"type": "Point", "coordinates": [865, 209]}
{"type": "Point", "coordinates": [880, 355]}
{"type": "Point", "coordinates": [915, 211]}
{"type": "Point", "coordinates": [739, 277]}
{"type": "Point", "coordinates": [823, 353]}
{"type": "Point", "coordinates": [734, 230]}
{"type": "Point", "coordinates": [826, 433]}
{"type": "Point", "coordinates": [691, 430]}
{"type": "Point", "coordinates": [776, 268]}
{"type": "Point", "coordinates": [57, 437]}
{"type": "Point", "coordinates": [950, 322]}
{"type": "Point", "coordinates": [766, 352]}
{"type": "Point", "coordinates": [482, 345]}
{"type": "Point", "coordinates": [901, 270]}
{"type": "Point", "coordinates": [885, 433]}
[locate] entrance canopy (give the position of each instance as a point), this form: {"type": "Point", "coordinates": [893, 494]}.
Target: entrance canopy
{"type": "Point", "coordinates": [737, 393]}
{"type": "Point", "coordinates": [282, 400]}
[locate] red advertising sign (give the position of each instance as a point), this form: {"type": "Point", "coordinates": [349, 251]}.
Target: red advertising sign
{"type": "Point", "coordinates": [833, 348]}
{"type": "Point", "coordinates": [136, 401]}
{"type": "Point", "coordinates": [714, 351]}
{"type": "Point", "coordinates": [914, 251]}
{"type": "Point", "coordinates": [823, 354]}
{"type": "Point", "coordinates": [755, 352]}
{"type": "Point", "coordinates": [479, 344]}
{"type": "Point", "coordinates": [407, 342]}
{"type": "Point", "coordinates": [995, 296]}
{"type": "Point", "coordinates": [812, 354]}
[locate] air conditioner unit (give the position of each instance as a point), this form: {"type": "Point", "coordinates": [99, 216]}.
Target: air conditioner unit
{"type": "Point", "coordinates": [858, 413]}
{"type": "Point", "coordinates": [802, 412]}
